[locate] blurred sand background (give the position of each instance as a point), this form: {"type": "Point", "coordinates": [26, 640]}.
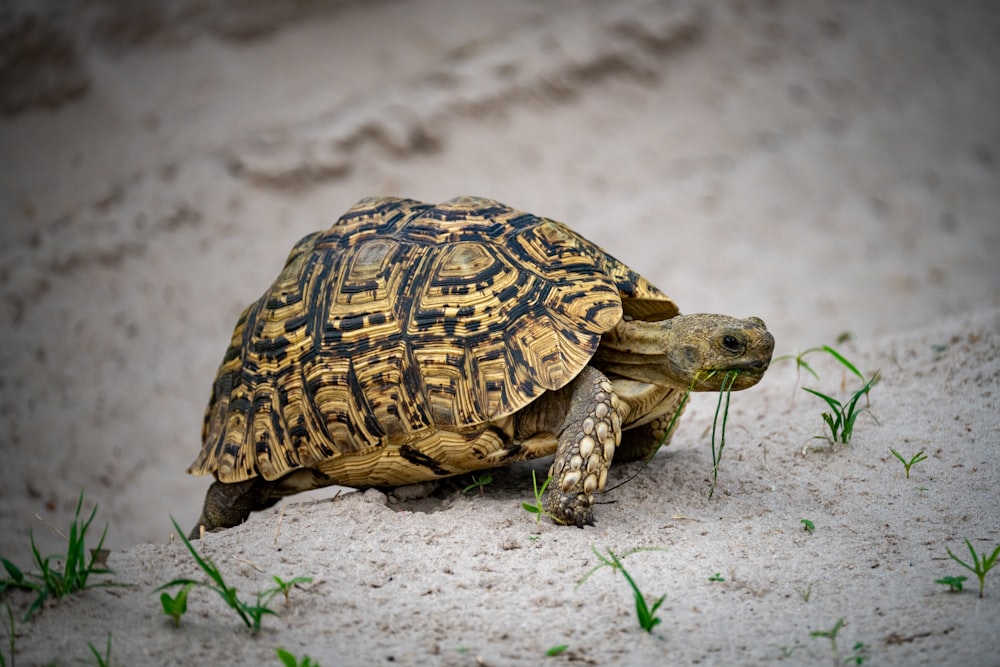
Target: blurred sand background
{"type": "Point", "coordinates": [830, 167]}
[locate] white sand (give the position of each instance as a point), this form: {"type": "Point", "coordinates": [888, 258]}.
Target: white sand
{"type": "Point", "coordinates": [829, 168]}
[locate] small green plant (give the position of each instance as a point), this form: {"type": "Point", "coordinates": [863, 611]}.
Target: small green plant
{"type": "Point", "coordinates": [289, 660]}
{"type": "Point", "coordinates": [859, 653]}
{"type": "Point", "coordinates": [788, 651]}
{"type": "Point", "coordinates": [176, 606]}
{"type": "Point", "coordinates": [478, 483]}
{"type": "Point", "coordinates": [646, 614]}
{"type": "Point", "coordinates": [841, 419]}
{"type": "Point", "coordinates": [830, 634]}
{"type": "Point", "coordinates": [77, 568]}
{"type": "Point", "coordinates": [806, 593]}
{"type": "Point", "coordinates": [982, 564]}
{"type": "Point", "coordinates": [917, 458]}
{"type": "Point", "coordinates": [800, 361]}
{"type": "Point", "coordinates": [285, 587]}
{"type": "Point", "coordinates": [807, 525]}
{"type": "Point", "coordinates": [604, 562]}
{"type": "Point", "coordinates": [250, 614]}
{"type": "Point", "coordinates": [537, 508]}
{"type": "Point", "coordinates": [557, 650]}
{"type": "Point", "coordinates": [717, 577]}
{"type": "Point", "coordinates": [99, 660]}
{"type": "Point", "coordinates": [954, 584]}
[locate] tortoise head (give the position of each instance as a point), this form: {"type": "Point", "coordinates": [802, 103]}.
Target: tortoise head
{"type": "Point", "coordinates": [688, 351]}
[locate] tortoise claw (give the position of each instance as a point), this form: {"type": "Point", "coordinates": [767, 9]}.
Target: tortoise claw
{"type": "Point", "coordinates": [570, 509]}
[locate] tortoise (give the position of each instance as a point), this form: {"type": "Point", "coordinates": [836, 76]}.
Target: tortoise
{"type": "Point", "coordinates": [410, 342]}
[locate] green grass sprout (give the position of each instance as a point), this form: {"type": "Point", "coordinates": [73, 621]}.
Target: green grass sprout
{"type": "Point", "coordinates": [954, 584]}
{"type": "Point", "coordinates": [917, 458]}
{"type": "Point", "coordinates": [800, 362]}
{"type": "Point", "coordinates": [537, 508]}
{"type": "Point", "coordinates": [982, 564]}
{"type": "Point", "coordinates": [289, 660]}
{"type": "Point", "coordinates": [717, 577]}
{"type": "Point", "coordinates": [604, 562]}
{"type": "Point", "coordinates": [99, 660]}
{"type": "Point", "coordinates": [859, 653]}
{"type": "Point", "coordinates": [285, 587]}
{"type": "Point", "coordinates": [556, 650]}
{"type": "Point", "coordinates": [250, 614]}
{"type": "Point", "coordinates": [645, 614]}
{"type": "Point", "coordinates": [807, 525]}
{"type": "Point", "coordinates": [800, 365]}
{"type": "Point", "coordinates": [176, 606]}
{"type": "Point", "coordinates": [842, 416]}
{"type": "Point", "coordinates": [478, 483]}
{"type": "Point", "coordinates": [840, 420]}
{"type": "Point", "coordinates": [76, 571]}
{"type": "Point", "coordinates": [830, 634]}
{"type": "Point", "coordinates": [789, 651]}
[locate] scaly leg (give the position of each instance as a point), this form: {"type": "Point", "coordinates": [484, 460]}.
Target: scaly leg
{"type": "Point", "coordinates": [589, 435]}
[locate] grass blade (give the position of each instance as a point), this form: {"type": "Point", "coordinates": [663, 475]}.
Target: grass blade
{"type": "Point", "coordinates": [14, 571]}
{"type": "Point", "coordinates": [847, 364]}
{"type": "Point", "coordinates": [725, 391]}
{"type": "Point", "coordinates": [205, 563]}
{"type": "Point", "coordinates": [834, 404]}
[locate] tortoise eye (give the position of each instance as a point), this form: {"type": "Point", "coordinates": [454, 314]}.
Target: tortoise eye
{"type": "Point", "coordinates": [731, 343]}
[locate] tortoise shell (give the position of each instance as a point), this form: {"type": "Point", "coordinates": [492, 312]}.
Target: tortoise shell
{"type": "Point", "coordinates": [405, 318]}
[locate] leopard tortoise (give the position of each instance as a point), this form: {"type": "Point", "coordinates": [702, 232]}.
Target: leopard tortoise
{"type": "Point", "coordinates": [410, 342]}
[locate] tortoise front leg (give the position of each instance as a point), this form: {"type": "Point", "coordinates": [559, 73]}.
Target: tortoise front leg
{"type": "Point", "coordinates": [590, 432]}
{"type": "Point", "coordinates": [228, 505]}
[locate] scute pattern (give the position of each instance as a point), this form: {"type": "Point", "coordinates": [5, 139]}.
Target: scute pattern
{"type": "Point", "coordinates": [404, 318]}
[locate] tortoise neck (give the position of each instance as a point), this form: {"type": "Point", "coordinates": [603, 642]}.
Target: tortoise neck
{"type": "Point", "coordinates": [641, 350]}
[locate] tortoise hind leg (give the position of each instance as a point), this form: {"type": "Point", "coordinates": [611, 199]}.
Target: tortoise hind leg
{"type": "Point", "coordinates": [228, 505]}
{"type": "Point", "coordinates": [641, 443]}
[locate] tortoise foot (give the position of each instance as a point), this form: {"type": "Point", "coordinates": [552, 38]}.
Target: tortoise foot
{"type": "Point", "coordinates": [571, 509]}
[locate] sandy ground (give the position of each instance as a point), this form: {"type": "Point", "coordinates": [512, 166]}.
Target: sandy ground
{"type": "Point", "coordinates": [829, 167]}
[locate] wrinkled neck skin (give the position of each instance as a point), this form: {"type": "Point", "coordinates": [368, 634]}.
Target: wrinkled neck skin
{"type": "Point", "coordinates": [687, 351]}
